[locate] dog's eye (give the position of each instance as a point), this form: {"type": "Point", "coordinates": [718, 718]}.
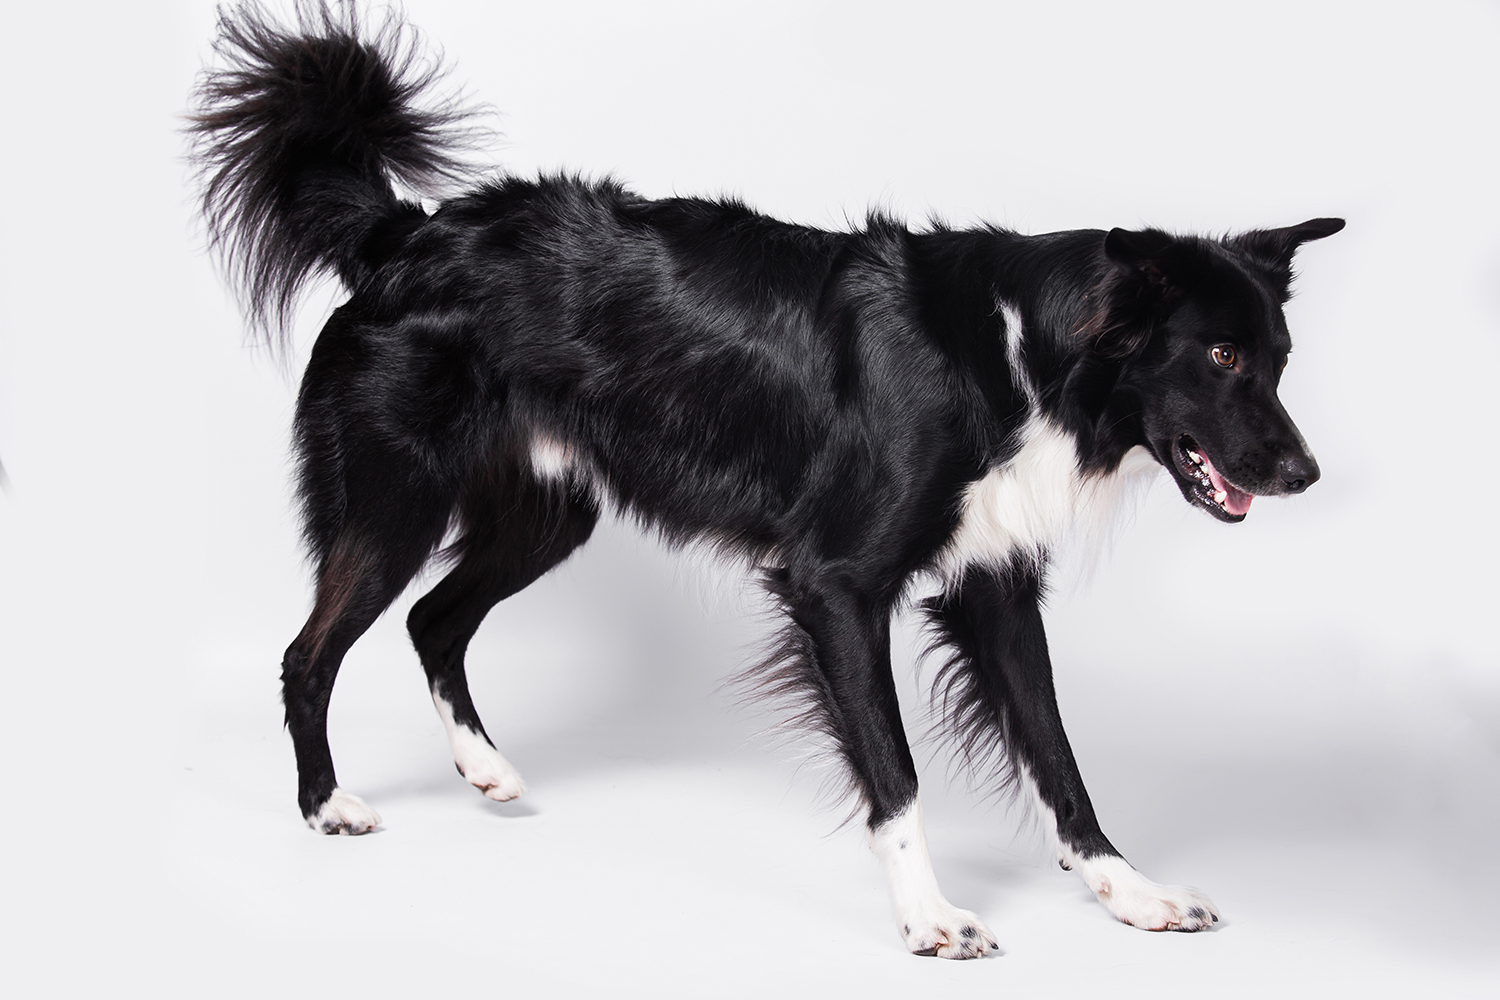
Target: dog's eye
{"type": "Point", "coordinates": [1223, 356]}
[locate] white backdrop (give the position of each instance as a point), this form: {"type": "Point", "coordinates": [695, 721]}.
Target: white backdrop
{"type": "Point", "coordinates": [1300, 715]}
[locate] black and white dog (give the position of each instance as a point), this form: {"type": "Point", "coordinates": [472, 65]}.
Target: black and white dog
{"type": "Point", "coordinates": [848, 410]}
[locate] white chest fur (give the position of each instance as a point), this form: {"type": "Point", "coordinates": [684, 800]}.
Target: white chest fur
{"type": "Point", "coordinates": [1037, 501]}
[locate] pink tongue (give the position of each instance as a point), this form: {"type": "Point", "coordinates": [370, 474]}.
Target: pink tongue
{"type": "Point", "coordinates": [1237, 502]}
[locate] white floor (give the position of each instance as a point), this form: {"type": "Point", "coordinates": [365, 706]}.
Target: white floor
{"type": "Point", "coordinates": [663, 850]}
{"type": "Point", "coordinates": [1299, 715]}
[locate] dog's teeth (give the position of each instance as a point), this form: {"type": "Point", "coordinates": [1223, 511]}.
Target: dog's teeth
{"type": "Point", "coordinates": [1221, 496]}
{"type": "Point", "coordinates": [1197, 458]}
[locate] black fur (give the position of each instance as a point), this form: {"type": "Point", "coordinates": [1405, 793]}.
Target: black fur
{"type": "Point", "coordinates": [996, 692]}
{"type": "Point", "coordinates": [299, 135]}
{"type": "Point", "coordinates": [819, 402]}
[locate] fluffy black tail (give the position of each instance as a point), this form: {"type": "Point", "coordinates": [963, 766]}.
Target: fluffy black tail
{"type": "Point", "coordinates": [298, 135]}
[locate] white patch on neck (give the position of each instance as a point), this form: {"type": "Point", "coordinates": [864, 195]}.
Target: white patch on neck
{"type": "Point", "coordinates": [927, 921]}
{"type": "Point", "coordinates": [1039, 499]}
{"type": "Point", "coordinates": [1036, 501]}
{"type": "Point", "coordinates": [1014, 344]}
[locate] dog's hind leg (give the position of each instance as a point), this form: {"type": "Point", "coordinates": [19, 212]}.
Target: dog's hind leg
{"type": "Point", "coordinates": [997, 689]}
{"type": "Point", "coordinates": [362, 573]}
{"type": "Point", "coordinates": [516, 528]}
{"type": "Point", "coordinates": [838, 652]}
{"type": "Point", "coordinates": [375, 510]}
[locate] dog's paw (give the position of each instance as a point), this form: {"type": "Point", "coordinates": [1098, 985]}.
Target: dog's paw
{"type": "Point", "coordinates": [344, 813]}
{"type": "Point", "coordinates": [484, 768]}
{"type": "Point", "coordinates": [947, 932]}
{"type": "Point", "coordinates": [1140, 902]}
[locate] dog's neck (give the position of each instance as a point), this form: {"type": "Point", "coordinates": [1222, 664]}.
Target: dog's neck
{"type": "Point", "coordinates": [972, 281]}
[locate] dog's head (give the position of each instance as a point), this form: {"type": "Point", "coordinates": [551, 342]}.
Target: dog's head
{"type": "Point", "coordinates": [1197, 329]}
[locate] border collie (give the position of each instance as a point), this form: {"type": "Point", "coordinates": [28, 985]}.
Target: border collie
{"type": "Point", "coordinates": [850, 411]}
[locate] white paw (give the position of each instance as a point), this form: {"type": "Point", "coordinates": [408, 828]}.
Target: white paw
{"type": "Point", "coordinates": [947, 932]}
{"type": "Point", "coordinates": [344, 813]}
{"type": "Point", "coordinates": [484, 768]}
{"type": "Point", "coordinates": [930, 925]}
{"type": "Point", "coordinates": [1142, 903]}
{"type": "Point", "coordinates": [477, 760]}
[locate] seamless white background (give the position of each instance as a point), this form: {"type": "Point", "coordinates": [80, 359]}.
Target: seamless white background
{"type": "Point", "coordinates": [1300, 714]}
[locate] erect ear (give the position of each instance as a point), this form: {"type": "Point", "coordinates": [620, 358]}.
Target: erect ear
{"type": "Point", "coordinates": [1133, 295]}
{"type": "Point", "coordinates": [1273, 248]}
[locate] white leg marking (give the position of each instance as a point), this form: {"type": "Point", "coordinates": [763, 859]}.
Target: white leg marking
{"type": "Point", "coordinates": [344, 813]}
{"type": "Point", "coordinates": [478, 761]}
{"type": "Point", "coordinates": [929, 924]}
{"type": "Point", "coordinates": [1140, 902]}
{"type": "Point", "coordinates": [1130, 896]}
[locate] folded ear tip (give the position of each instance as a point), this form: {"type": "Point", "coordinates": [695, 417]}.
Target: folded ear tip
{"type": "Point", "coordinates": [1129, 246]}
{"type": "Point", "coordinates": [1325, 227]}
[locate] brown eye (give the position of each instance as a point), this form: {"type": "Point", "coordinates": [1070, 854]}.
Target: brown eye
{"type": "Point", "coordinates": [1223, 356]}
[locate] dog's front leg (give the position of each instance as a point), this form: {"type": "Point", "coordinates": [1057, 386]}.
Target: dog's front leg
{"type": "Point", "coordinates": [846, 664]}
{"type": "Point", "coordinates": [997, 689]}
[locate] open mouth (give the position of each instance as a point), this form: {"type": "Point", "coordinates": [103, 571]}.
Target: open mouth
{"type": "Point", "coordinates": [1208, 485]}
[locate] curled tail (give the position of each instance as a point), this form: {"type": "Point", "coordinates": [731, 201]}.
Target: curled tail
{"type": "Point", "coordinates": [298, 135]}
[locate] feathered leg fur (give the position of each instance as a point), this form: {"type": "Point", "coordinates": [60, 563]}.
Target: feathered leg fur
{"type": "Point", "coordinates": [997, 691]}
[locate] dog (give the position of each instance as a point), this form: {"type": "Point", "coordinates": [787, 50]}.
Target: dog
{"type": "Point", "coordinates": [849, 411]}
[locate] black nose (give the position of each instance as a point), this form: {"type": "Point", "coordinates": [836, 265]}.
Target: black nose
{"type": "Point", "coordinates": [1298, 472]}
